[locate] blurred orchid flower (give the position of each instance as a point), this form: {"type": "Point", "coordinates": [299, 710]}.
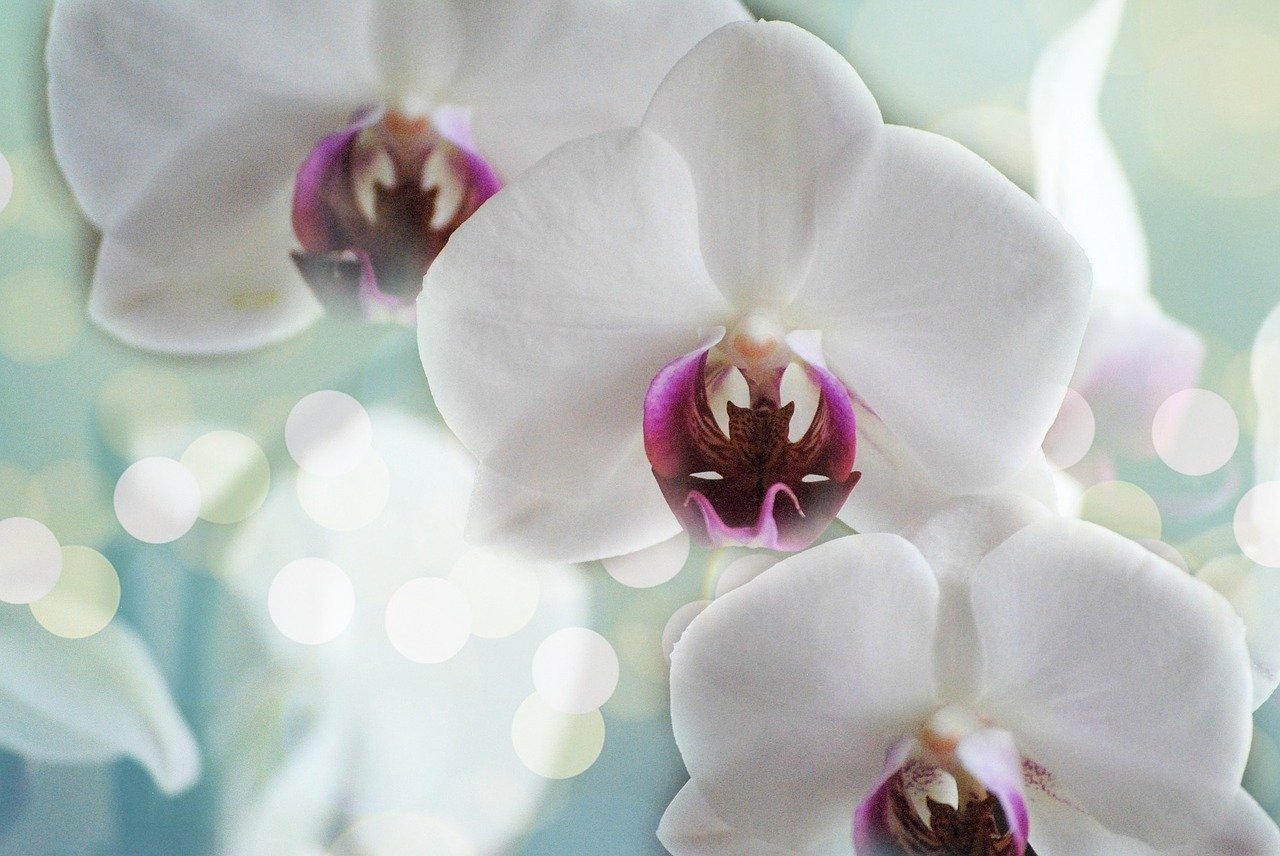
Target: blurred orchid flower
{"type": "Point", "coordinates": [90, 701]}
{"type": "Point", "coordinates": [233, 153]}
{"type": "Point", "coordinates": [374, 733]}
{"type": "Point", "coordinates": [953, 697]}
{"type": "Point", "coordinates": [1134, 356]}
{"type": "Point", "coordinates": [695, 322]}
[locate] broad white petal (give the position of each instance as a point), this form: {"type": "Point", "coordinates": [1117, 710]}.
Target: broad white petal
{"type": "Point", "coordinates": [690, 827]}
{"type": "Point", "coordinates": [1118, 673]}
{"type": "Point", "coordinates": [249, 298]}
{"type": "Point", "coordinates": [1078, 175]}
{"type": "Point", "coordinates": [174, 118]}
{"type": "Point", "coordinates": [553, 307]}
{"type": "Point", "coordinates": [769, 118]}
{"type": "Point", "coordinates": [90, 700]}
{"type": "Point", "coordinates": [786, 693]}
{"type": "Point", "coordinates": [573, 528]}
{"type": "Point", "coordinates": [952, 304]}
{"type": "Point", "coordinates": [538, 73]}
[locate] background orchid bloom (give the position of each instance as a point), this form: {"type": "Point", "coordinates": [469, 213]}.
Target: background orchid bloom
{"type": "Point", "coordinates": [90, 701]}
{"type": "Point", "coordinates": [956, 698]}
{"type": "Point", "coordinates": [366, 731]}
{"type": "Point", "coordinates": [210, 142]}
{"type": "Point", "coordinates": [695, 322]}
{"type": "Point", "coordinates": [1133, 356]}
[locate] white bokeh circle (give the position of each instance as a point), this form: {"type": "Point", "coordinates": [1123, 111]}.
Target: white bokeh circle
{"type": "Point", "coordinates": [311, 601]}
{"type": "Point", "coordinates": [347, 502]}
{"type": "Point", "coordinates": [1072, 433]}
{"type": "Point", "coordinates": [328, 433]}
{"type": "Point", "coordinates": [1195, 432]}
{"type": "Point", "coordinates": [6, 182]}
{"type": "Point", "coordinates": [233, 473]}
{"type": "Point", "coordinates": [651, 566]}
{"type": "Point", "coordinates": [428, 620]}
{"type": "Point", "coordinates": [502, 590]}
{"type": "Point", "coordinates": [157, 500]}
{"type": "Point", "coordinates": [1257, 524]}
{"type": "Point", "coordinates": [30, 560]}
{"type": "Point", "coordinates": [575, 670]}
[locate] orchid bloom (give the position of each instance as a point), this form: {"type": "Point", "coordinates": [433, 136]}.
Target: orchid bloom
{"type": "Point", "coordinates": [1133, 356]}
{"type": "Point", "coordinates": [372, 731]}
{"type": "Point", "coordinates": [703, 321]}
{"type": "Point", "coordinates": [90, 701]}
{"type": "Point", "coordinates": [234, 153]}
{"type": "Point", "coordinates": [1003, 684]}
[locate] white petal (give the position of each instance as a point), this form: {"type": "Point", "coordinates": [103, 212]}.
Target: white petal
{"type": "Point", "coordinates": [786, 693]}
{"type": "Point", "coordinates": [553, 307]}
{"type": "Point", "coordinates": [1078, 175]}
{"type": "Point", "coordinates": [90, 700]}
{"type": "Point", "coordinates": [952, 304]}
{"type": "Point", "coordinates": [768, 118]}
{"type": "Point", "coordinates": [174, 119]}
{"type": "Point", "coordinates": [576, 527]}
{"type": "Point", "coordinates": [1119, 674]}
{"type": "Point", "coordinates": [250, 298]}
{"type": "Point", "coordinates": [690, 827]}
{"type": "Point", "coordinates": [538, 73]}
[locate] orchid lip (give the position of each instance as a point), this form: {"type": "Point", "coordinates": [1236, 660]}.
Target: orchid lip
{"type": "Point", "coordinates": [743, 481]}
{"type": "Point", "coordinates": [375, 203]}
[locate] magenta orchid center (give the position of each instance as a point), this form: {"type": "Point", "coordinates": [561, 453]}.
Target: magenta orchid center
{"type": "Point", "coordinates": [375, 203]}
{"type": "Point", "coordinates": [751, 443]}
{"type": "Point", "coordinates": [953, 787]}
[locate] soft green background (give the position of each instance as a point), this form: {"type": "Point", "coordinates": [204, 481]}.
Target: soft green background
{"type": "Point", "coordinates": [1193, 104]}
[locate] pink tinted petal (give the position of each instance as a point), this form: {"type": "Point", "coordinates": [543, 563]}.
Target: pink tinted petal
{"type": "Point", "coordinates": [991, 757]}
{"type": "Point", "coordinates": [753, 487]}
{"type": "Point", "coordinates": [320, 172]}
{"type": "Point", "coordinates": [870, 833]}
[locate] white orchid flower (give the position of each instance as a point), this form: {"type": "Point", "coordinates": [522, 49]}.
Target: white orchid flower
{"type": "Point", "coordinates": [233, 152]}
{"type": "Point", "coordinates": [727, 296]}
{"type": "Point", "coordinates": [1134, 356]}
{"type": "Point", "coordinates": [1064, 689]}
{"type": "Point", "coordinates": [90, 701]}
{"type": "Point", "coordinates": [378, 733]}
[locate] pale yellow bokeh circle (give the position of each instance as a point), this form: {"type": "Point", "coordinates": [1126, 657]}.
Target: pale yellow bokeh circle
{"type": "Point", "coordinates": [145, 411]}
{"type": "Point", "coordinates": [41, 316]}
{"type": "Point", "coordinates": [1122, 507]}
{"type": "Point", "coordinates": [85, 598]}
{"type": "Point", "coordinates": [502, 590]}
{"type": "Point", "coordinates": [233, 473]}
{"type": "Point", "coordinates": [349, 501]}
{"type": "Point", "coordinates": [556, 745]}
{"type": "Point", "coordinates": [404, 834]}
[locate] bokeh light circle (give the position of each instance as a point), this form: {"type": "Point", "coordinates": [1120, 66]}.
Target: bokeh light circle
{"type": "Point", "coordinates": [157, 500]}
{"type": "Point", "coordinates": [678, 623]}
{"type": "Point", "coordinates": [1072, 433]}
{"type": "Point", "coordinates": [233, 474]}
{"type": "Point", "coordinates": [1195, 432]}
{"type": "Point", "coordinates": [1122, 507]}
{"type": "Point", "coordinates": [553, 744]}
{"type": "Point", "coordinates": [6, 182]}
{"type": "Point", "coordinates": [328, 433]}
{"type": "Point", "coordinates": [428, 620]}
{"type": "Point", "coordinates": [743, 570]}
{"type": "Point", "coordinates": [311, 601]}
{"type": "Point", "coordinates": [30, 560]}
{"type": "Point", "coordinates": [348, 501]}
{"type": "Point", "coordinates": [651, 566]}
{"type": "Point", "coordinates": [85, 598]}
{"type": "Point", "coordinates": [501, 589]}
{"type": "Point", "coordinates": [575, 670]}
{"type": "Point", "coordinates": [1257, 524]}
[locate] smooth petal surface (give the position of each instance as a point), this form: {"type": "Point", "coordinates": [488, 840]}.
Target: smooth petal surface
{"type": "Point", "coordinates": [597, 246]}
{"type": "Point", "coordinates": [690, 827]}
{"type": "Point", "coordinates": [787, 692]}
{"type": "Point", "coordinates": [538, 73]}
{"type": "Point", "coordinates": [769, 118]}
{"type": "Point", "coordinates": [250, 298]}
{"type": "Point", "coordinates": [1078, 174]}
{"type": "Point", "coordinates": [1162, 708]}
{"type": "Point", "coordinates": [90, 701]}
{"type": "Point", "coordinates": [952, 304]}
